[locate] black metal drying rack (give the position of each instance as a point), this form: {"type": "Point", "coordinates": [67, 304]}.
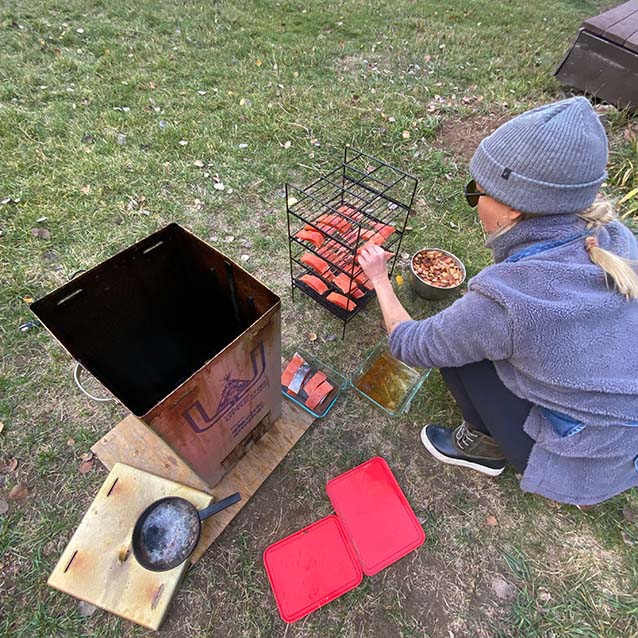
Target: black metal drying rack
{"type": "Point", "coordinates": [374, 192]}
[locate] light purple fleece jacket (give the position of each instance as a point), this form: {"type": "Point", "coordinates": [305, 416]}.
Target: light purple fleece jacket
{"type": "Point", "coordinates": [558, 337]}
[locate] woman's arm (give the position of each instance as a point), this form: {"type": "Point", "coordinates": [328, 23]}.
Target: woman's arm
{"type": "Point", "coordinates": [473, 328]}
{"type": "Point", "coordinates": [373, 260]}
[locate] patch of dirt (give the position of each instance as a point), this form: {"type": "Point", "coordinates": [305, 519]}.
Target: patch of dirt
{"type": "Point", "coordinates": [462, 136]}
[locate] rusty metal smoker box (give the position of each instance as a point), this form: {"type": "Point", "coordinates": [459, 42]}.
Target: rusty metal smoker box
{"type": "Point", "coordinates": [183, 337]}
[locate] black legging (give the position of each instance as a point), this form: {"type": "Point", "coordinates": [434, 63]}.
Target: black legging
{"type": "Point", "coordinates": [491, 408]}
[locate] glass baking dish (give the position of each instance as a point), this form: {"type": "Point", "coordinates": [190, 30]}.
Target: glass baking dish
{"type": "Point", "coordinates": [334, 378]}
{"type": "Point", "coordinates": [386, 382]}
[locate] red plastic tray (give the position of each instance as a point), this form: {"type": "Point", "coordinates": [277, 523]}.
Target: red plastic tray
{"type": "Point", "coordinates": [375, 515]}
{"type": "Point", "coordinates": [311, 568]}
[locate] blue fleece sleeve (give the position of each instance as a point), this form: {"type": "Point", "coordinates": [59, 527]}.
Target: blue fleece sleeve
{"type": "Point", "coordinates": [473, 328]}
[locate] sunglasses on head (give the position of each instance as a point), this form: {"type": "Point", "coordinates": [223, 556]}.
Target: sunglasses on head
{"type": "Point", "coordinates": [472, 194]}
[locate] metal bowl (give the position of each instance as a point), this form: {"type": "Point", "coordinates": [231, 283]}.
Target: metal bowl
{"type": "Point", "coordinates": [428, 291]}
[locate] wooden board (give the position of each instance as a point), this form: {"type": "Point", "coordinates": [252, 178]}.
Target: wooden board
{"type": "Point", "coordinates": [134, 443]}
{"type": "Point", "coordinates": [619, 24]}
{"type": "Point", "coordinates": [90, 567]}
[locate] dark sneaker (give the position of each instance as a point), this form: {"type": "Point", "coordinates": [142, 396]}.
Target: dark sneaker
{"type": "Point", "coordinates": [464, 446]}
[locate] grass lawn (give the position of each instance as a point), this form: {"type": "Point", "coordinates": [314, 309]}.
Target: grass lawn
{"type": "Point", "coordinates": [119, 117]}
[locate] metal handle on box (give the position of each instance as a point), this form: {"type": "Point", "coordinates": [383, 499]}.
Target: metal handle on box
{"type": "Point", "coordinates": [76, 376]}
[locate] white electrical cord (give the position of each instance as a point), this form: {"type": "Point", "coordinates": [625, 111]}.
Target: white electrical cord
{"type": "Point", "coordinates": [76, 376]}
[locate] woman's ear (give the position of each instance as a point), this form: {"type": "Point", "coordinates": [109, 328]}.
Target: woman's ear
{"type": "Point", "coordinates": [513, 215]}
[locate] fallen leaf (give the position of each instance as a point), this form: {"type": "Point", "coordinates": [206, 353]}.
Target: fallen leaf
{"type": "Point", "coordinates": [219, 186]}
{"type": "Point", "coordinates": [26, 299]}
{"type": "Point", "coordinates": [628, 512]}
{"type": "Point", "coordinates": [503, 589]}
{"type": "Point", "coordinates": [287, 144]}
{"type": "Point", "coordinates": [229, 239]}
{"type": "Point", "coordinates": [11, 466]}
{"type": "Point", "coordinates": [4, 507]}
{"type": "Point", "coordinates": [491, 521]}
{"type": "Point", "coordinates": [86, 609]}
{"type": "Point", "coordinates": [198, 163]}
{"type": "Point", "coordinates": [18, 492]}
{"type": "Point", "coordinates": [311, 336]}
{"type": "Point", "coordinates": [201, 92]}
{"type": "Point", "coordinates": [87, 456]}
{"type": "Point", "coordinates": [86, 189]}
{"type": "Point", "coordinates": [182, 142]}
{"type": "Point", "coordinates": [405, 135]}
{"type": "Point", "coordinates": [70, 442]}
{"type": "Point", "coordinates": [543, 595]}
{"type": "Point", "coordinates": [41, 219]}
{"type": "Point", "coordinates": [41, 233]}
{"type": "Point", "coordinates": [1, 426]}
{"type": "Point", "coordinates": [400, 280]}
{"type": "Point", "coordinates": [243, 145]}
{"type": "Point", "coordinates": [86, 466]}
{"type": "Point", "coordinates": [258, 62]}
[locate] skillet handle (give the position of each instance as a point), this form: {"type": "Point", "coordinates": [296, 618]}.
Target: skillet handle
{"type": "Point", "coordinates": [218, 506]}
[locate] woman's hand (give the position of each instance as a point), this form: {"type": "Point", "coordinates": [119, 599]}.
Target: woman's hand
{"type": "Point", "coordinates": [373, 260]}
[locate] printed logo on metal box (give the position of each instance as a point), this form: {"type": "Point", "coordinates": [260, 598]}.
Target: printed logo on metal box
{"type": "Point", "coordinates": [235, 395]}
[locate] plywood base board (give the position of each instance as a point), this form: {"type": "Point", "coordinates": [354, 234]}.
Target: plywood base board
{"type": "Point", "coordinates": [134, 443]}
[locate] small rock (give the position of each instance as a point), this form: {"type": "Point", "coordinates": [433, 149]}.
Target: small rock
{"type": "Point", "coordinates": [86, 609]}
{"type": "Point", "coordinates": [162, 123]}
{"type": "Point", "coordinates": [198, 163]}
{"type": "Point", "coordinates": [503, 589]}
{"type": "Point", "coordinates": [244, 258]}
{"type": "Point", "coordinates": [121, 139]}
{"type": "Point", "coordinates": [243, 145]}
{"type": "Point", "coordinates": [219, 186]}
{"type": "Point", "coordinates": [182, 142]}
{"type": "Point", "coordinates": [331, 338]}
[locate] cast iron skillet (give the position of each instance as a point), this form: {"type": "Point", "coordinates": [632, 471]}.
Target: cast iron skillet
{"type": "Point", "coordinates": [167, 531]}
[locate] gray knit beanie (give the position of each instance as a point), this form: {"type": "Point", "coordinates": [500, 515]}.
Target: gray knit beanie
{"type": "Point", "coordinates": [546, 161]}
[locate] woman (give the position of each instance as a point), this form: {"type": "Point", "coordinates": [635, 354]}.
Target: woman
{"type": "Point", "coordinates": [541, 353]}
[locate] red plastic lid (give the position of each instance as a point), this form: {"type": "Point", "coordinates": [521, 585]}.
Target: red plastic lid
{"type": "Point", "coordinates": [375, 515]}
{"type": "Point", "coordinates": [311, 568]}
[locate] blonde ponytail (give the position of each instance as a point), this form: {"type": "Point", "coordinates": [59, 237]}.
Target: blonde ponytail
{"type": "Point", "coordinates": [622, 271]}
